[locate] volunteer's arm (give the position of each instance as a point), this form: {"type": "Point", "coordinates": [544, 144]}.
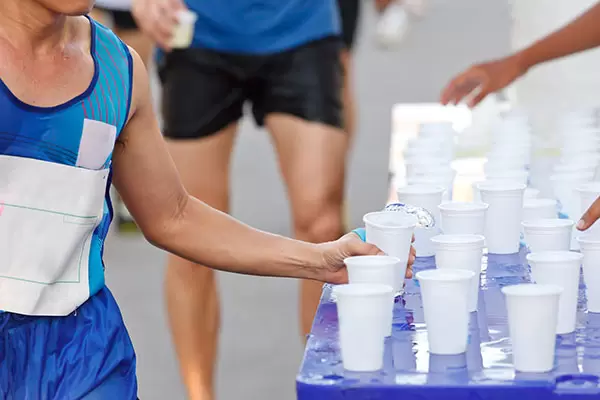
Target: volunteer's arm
{"type": "Point", "coordinates": [147, 180]}
{"type": "Point", "coordinates": [581, 34]}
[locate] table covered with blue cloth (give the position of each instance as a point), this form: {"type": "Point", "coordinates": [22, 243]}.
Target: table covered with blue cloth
{"type": "Point", "coordinates": [484, 372]}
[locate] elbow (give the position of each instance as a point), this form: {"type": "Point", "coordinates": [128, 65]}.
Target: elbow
{"type": "Point", "coordinates": [163, 230]}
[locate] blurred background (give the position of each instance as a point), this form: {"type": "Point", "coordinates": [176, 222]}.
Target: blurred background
{"type": "Point", "coordinates": [397, 89]}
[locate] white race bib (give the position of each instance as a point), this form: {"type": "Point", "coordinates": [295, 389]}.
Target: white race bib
{"type": "Point", "coordinates": [48, 213]}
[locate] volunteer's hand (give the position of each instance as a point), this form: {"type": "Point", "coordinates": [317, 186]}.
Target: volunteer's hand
{"type": "Point", "coordinates": [482, 79]}
{"type": "Point", "coordinates": [590, 216]}
{"type": "Point", "coordinates": [157, 19]}
{"type": "Point", "coordinates": [334, 254]}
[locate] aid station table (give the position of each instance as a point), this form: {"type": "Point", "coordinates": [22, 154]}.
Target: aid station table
{"type": "Point", "coordinates": [484, 372]}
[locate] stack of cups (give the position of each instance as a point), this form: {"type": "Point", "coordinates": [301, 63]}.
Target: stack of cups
{"type": "Point", "coordinates": [445, 294]}
{"type": "Point", "coordinates": [461, 252]}
{"type": "Point", "coordinates": [532, 311]}
{"type": "Point", "coordinates": [428, 197]}
{"type": "Point", "coordinates": [392, 232]}
{"type": "Point", "coordinates": [427, 157]}
{"type": "Point", "coordinates": [364, 313]}
{"type": "Point", "coordinates": [590, 249]}
{"type": "Point", "coordinates": [463, 218]}
{"type": "Point", "coordinates": [548, 234]}
{"type": "Point", "coordinates": [559, 268]}
{"type": "Point", "coordinates": [588, 193]}
{"type": "Point", "coordinates": [504, 214]}
{"type": "Point", "coordinates": [564, 185]}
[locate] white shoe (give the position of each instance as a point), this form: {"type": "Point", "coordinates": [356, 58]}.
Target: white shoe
{"type": "Point", "coordinates": [392, 25]}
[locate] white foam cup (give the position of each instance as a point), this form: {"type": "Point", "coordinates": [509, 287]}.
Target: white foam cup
{"type": "Point", "coordinates": [564, 185]}
{"type": "Point", "coordinates": [462, 252]}
{"type": "Point", "coordinates": [560, 268]}
{"type": "Point", "coordinates": [503, 219]}
{"type": "Point", "coordinates": [590, 249]}
{"type": "Point", "coordinates": [532, 311]}
{"type": "Point", "coordinates": [539, 209]}
{"type": "Point", "coordinates": [184, 30]}
{"type": "Point", "coordinates": [588, 193]}
{"type": "Point", "coordinates": [429, 197]}
{"type": "Point", "coordinates": [463, 217]}
{"type": "Point", "coordinates": [531, 193]}
{"type": "Point", "coordinates": [378, 270]}
{"type": "Point", "coordinates": [392, 232]}
{"type": "Point", "coordinates": [445, 295]}
{"type": "Point", "coordinates": [362, 314]}
{"type": "Point", "coordinates": [548, 234]}
{"type": "Point", "coordinates": [518, 176]}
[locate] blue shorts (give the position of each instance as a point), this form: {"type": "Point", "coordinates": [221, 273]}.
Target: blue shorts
{"type": "Point", "coordinates": [85, 355]}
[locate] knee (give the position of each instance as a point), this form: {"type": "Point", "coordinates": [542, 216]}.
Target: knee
{"type": "Point", "coordinates": [319, 221]}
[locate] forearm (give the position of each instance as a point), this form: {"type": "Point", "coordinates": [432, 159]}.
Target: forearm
{"type": "Point", "coordinates": [209, 237]}
{"type": "Point", "coordinates": [581, 34]}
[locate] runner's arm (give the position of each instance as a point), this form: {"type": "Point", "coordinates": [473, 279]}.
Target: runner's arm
{"type": "Point", "coordinates": [148, 182]}
{"type": "Point", "coordinates": [581, 34]}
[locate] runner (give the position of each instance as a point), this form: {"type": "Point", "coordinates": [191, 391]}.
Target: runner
{"type": "Point", "coordinates": [283, 57]}
{"type": "Point", "coordinates": [75, 112]}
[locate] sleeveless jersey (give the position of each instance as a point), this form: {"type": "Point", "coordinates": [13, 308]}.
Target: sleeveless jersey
{"type": "Point", "coordinates": [55, 165]}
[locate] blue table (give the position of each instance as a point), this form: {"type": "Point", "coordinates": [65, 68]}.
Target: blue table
{"type": "Point", "coordinates": [484, 372]}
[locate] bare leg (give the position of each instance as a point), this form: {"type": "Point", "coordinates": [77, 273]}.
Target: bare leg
{"type": "Point", "coordinates": [312, 159]}
{"type": "Point", "coordinates": [192, 295]}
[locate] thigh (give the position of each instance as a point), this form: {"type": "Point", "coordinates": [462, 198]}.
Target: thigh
{"type": "Point", "coordinates": [85, 355]}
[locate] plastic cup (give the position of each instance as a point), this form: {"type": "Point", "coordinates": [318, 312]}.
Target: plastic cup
{"type": "Point", "coordinates": [463, 218]}
{"type": "Point", "coordinates": [420, 165]}
{"type": "Point", "coordinates": [429, 197]}
{"type": "Point", "coordinates": [392, 232]}
{"type": "Point", "coordinates": [362, 314]}
{"type": "Point", "coordinates": [560, 268]}
{"type": "Point", "coordinates": [184, 31]}
{"type": "Point", "coordinates": [380, 270]}
{"type": "Point", "coordinates": [518, 176]}
{"type": "Point", "coordinates": [531, 193]}
{"type": "Point", "coordinates": [503, 219]}
{"type": "Point", "coordinates": [461, 252]}
{"type": "Point", "coordinates": [445, 294]}
{"type": "Point", "coordinates": [539, 209]}
{"type": "Point", "coordinates": [588, 193]}
{"type": "Point", "coordinates": [445, 180]}
{"type": "Point", "coordinates": [532, 311]}
{"type": "Point", "coordinates": [564, 185]}
{"type": "Point", "coordinates": [590, 249]}
{"type": "Point", "coordinates": [548, 234]}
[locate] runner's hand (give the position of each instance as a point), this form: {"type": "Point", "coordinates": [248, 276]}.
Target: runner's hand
{"type": "Point", "coordinates": [481, 80]}
{"type": "Point", "coordinates": [158, 19]}
{"type": "Point", "coordinates": [590, 216]}
{"type": "Point", "coordinates": [334, 254]}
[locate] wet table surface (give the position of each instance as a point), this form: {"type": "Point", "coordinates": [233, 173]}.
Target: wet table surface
{"type": "Point", "coordinates": [484, 372]}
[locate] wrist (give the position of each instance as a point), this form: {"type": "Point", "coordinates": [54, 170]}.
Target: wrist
{"type": "Point", "coordinates": [522, 61]}
{"type": "Point", "coordinates": [306, 259]}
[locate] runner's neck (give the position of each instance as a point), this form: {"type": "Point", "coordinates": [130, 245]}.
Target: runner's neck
{"type": "Point", "coordinates": [30, 26]}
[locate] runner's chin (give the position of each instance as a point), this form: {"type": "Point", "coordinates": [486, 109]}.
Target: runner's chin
{"type": "Point", "coordinates": [69, 7]}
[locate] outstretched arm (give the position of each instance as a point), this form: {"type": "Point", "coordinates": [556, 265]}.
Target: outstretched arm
{"type": "Point", "coordinates": [477, 82]}
{"type": "Point", "coordinates": [148, 182]}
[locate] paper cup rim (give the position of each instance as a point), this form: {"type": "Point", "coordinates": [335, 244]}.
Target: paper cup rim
{"type": "Point", "coordinates": [463, 206]}
{"type": "Point", "coordinates": [445, 275]}
{"type": "Point", "coordinates": [588, 240]}
{"type": "Point", "coordinates": [421, 188]}
{"type": "Point", "coordinates": [361, 289]}
{"type": "Point", "coordinates": [590, 187]}
{"type": "Point", "coordinates": [411, 220]}
{"type": "Point", "coordinates": [458, 240]}
{"type": "Point", "coordinates": [370, 261]}
{"type": "Point", "coordinates": [532, 290]}
{"type": "Point", "coordinates": [554, 257]}
{"type": "Point", "coordinates": [539, 202]}
{"type": "Point", "coordinates": [501, 186]}
{"type": "Point", "coordinates": [542, 224]}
